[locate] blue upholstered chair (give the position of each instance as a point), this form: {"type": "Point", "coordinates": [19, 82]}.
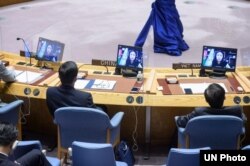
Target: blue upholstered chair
{"type": "Point", "coordinates": [86, 125]}
{"type": "Point", "coordinates": [10, 113]}
{"type": "Point", "coordinates": [94, 154]}
{"type": "Point", "coordinates": [184, 157]}
{"type": "Point", "coordinates": [215, 131]}
{"type": "Point", "coordinates": [24, 147]}
{"type": "Point", "coordinates": [246, 147]}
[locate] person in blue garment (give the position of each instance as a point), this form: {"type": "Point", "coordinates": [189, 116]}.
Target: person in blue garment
{"type": "Point", "coordinates": [167, 27]}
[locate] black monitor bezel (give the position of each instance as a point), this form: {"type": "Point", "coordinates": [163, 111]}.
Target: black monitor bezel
{"type": "Point", "coordinates": [60, 56]}
{"type": "Point", "coordinates": [131, 48]}
{"type": "Point", "coordinates": [217, 68]}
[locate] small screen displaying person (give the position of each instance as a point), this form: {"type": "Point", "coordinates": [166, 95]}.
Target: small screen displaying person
{"type": "Point", "coordinates": [219, 60]}
{"type": "Point", "coordinates": [133, 61]}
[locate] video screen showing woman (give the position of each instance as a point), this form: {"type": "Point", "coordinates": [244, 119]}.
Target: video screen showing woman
{"type": "Point", "coordinates": [129, 57]}
{"type": "Point", "coordinates": [48, 50]}
{"type": "Point", "coordinates": [219, 58]}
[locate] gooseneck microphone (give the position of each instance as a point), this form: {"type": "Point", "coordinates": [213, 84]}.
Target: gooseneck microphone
{"type": "Point", "coordinates": [107, 70]}
{"type": "Point", "coordinates": [27, 48]}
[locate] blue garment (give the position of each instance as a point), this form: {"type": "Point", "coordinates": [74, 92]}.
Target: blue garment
{"type": "Point", "coordinates": [168, 29]}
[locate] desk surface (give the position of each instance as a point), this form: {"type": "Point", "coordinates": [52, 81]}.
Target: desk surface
{"type": "Point", "coordinates": [149, 95]}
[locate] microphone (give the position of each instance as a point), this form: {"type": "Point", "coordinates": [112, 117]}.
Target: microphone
{"type": "Point", "coordinates": [107, 70]}
{"type": "Point", "coordinates": [27, 48]}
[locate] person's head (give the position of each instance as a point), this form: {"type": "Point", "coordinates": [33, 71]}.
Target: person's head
{"type": "Point", "coordinates": [215, 95]}
{"type": "Point", "coordinates": [68, 73]}
{"type": "Point", "coordinates": [49, 49]}
{"type": "Point", "coordinates": [8, 135]}
{"type": "Point", "coordinates": [132, 55]}
{"type": "Point", "coordinates": [219, 56]}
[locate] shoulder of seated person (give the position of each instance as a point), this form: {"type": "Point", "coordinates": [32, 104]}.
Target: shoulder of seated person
{"type": "Point", "coordinates": [235, 107]}
{"type": "Point", "coordinates": [201, 108]}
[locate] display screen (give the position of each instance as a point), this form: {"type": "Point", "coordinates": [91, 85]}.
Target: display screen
{"type": "Point", "coordinates": [219, 58]}
{"type": "Point", "coordinates": [129, 57]}
{"type": "Point", "coordinates": [49, 50]}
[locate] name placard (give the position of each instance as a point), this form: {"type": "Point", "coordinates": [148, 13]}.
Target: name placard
{"type": "Point", "coordinates": [186, 66]}
{"type": "Point", "coordinates": [225, 157]}
{"type": "Point", "coordinates": [99, 62]}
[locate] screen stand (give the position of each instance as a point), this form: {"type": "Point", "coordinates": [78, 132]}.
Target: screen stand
{"type": "Point", "coordinates": [42, 65]}
{"type": "Point", "coordinates": [128, 73]}
{"type": "Point", "coordinates": [117, 71]}
{"type": "Point", "coordinates": [218, 74]}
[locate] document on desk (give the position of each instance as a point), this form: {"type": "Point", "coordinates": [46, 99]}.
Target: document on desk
{"type": "Point", "coordinates": [17, 72]}
{"type": "Point", "coordinates": [28, 76]}
{"type": "Point", "coordinates": [198, 87]}
{"type": "Point", "coordinates": [81, 83]}
{"type": "Point", "coordinates": [103, 84]}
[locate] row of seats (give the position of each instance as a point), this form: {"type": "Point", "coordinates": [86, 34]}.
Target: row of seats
{"type": "Point", "coordinates": [76, 123]}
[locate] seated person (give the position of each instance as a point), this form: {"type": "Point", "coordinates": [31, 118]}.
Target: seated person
{"type": "Point", "coordinates": [215, 96]}
{"type": "Point", "coordinates": [66, 94]}
{"type": "Point", "coordinates": [7, 74]}
{"type": "Point", "coordinates": [8, 135]}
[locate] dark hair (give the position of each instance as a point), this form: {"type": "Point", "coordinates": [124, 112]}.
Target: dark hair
{"type": "Point", "coordinates": [8, 133]}
{"type": "Point", "coordinates": [215, 95]}
{"type": "Point", "coordinates": [68, 72]}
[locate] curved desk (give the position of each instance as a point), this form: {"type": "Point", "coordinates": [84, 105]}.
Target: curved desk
{"type": "Point", "coordinates": [153, 106]}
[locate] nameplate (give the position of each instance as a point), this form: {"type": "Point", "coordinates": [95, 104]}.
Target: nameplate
{"type": "Point", "coordinates": [27, 54]}
{"type": "Point", "coordinates": [99, 62]}
{"type": "Point", "coordinates": [186, 66]}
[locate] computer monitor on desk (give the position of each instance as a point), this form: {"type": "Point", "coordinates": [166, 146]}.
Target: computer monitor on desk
{"type": "Point", "coordinates": [49, 50]}
{"type": "Point", "coordinates": [129, 60]}
{"type": "Point", "coordinates": [219, 60]}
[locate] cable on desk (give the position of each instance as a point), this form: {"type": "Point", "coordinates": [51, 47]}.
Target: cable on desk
{"type": "Point", "coordinates": [134, 135]}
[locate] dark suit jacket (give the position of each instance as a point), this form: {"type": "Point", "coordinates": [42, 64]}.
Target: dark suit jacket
{"type": "Point", "coordinates": [63, 96]}
{"type": "Point", "coordinates": [234, 111]}
{"type": "Point", "coordinates": [5, 161]}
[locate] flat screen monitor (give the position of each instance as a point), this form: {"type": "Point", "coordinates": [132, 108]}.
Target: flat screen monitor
{"type": "Point", "coordinates": [49, 50]}
{"type": "Point", "coordinates": [219, 58]}
{"type": "Point", "coordinates": [129, 57]}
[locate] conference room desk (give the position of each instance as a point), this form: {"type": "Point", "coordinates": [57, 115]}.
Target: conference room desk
{"type": "Point", "coordinates": [150, 109]}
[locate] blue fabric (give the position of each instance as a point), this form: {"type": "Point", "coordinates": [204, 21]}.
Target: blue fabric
{"type": "Point", "coordinates": [168, 29]}
{"type": "Point", "coordinates": [93, 154]}
{"type": "Point", "coordinates": [209, 130]}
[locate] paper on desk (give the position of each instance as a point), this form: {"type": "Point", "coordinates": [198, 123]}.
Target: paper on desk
{"type": "Point", "coordinates": [28, 76]}
{"type": "Point", "coordinates": [198, 87]}
{"type": "Point", "coordinates": [103, 84]}
{"type": "Point", "coordinates": [81, 83]}
{"type": "Point", "coordinates": [17, 72]}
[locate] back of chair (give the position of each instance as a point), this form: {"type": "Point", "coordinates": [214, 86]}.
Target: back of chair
{"type": "Point", "coordinates": [92, 154]}
{"type": "Point", "coordinates": [217, 132]}
{"type": "Point", "coordinates": [184, 157]}
{"type": "Point", "coordinates": [81, 124]}
{"type": "Point", "coordinates": [24, 147]}
{"type": "Point", "coordinates": [10, 112]}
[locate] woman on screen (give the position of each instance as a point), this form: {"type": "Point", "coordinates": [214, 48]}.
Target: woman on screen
{"type": "Point", "coordinates": [219, 60]}
{"type": "Point", "coordinates": [132, 61]}
{"type": "Point", "coordinates": [49, 55]}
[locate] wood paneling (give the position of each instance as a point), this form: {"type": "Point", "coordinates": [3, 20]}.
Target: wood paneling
{"type": "Point", "coordinates": [10, 2]}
